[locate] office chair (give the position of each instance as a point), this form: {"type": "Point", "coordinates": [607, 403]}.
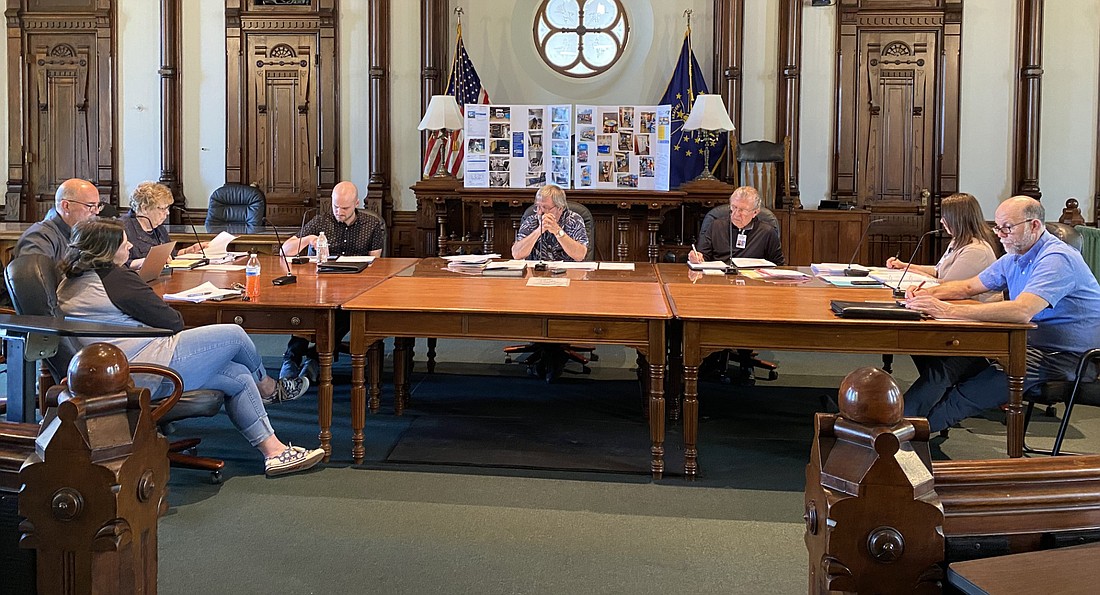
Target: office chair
{"type": "Point", "coordinates": [32, 282]}
{"type": "Point", "coordinates": [746, 359]}
{"type": "Point", "coordinates": [762, 165]}
{"type": "Point", "coordinates": [548, 360]}
{"type": "Point", "coordinates": [236, 204]}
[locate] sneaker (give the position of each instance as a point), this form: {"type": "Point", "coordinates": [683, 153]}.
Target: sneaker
{"type": "Point", "coordinates": [287, 389]}
{"type": "Point", "coordinates": [309, 369]}
{"type": "Point", "coordinates": [290, 369]}
{"type": "Point", "coordinates": [294, 458]}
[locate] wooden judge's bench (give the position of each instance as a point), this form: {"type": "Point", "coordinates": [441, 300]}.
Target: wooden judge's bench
{"type": "Point", "coordinates": [631, 225]}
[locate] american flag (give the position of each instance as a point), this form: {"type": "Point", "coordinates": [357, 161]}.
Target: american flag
{"type": "Point", "coordinates": [446, 151]}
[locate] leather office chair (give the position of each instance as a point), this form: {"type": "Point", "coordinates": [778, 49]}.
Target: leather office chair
{"type": "Point", "coordinates": [762, 165]}
{"type": "Point", "coordinates": [746, 359]}
{"type": "Point", "coordinates": [1071, 393]}
{"type": "Point", "coordinates": [236, 204]}
{"type": "Point", "coordinates": [548, 360]}
{"type": "Point", "coordinates": [32, 281]}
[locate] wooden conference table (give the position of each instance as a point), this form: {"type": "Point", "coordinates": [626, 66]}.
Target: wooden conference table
{"type": "Point", "coordinates": [306, 307]}
{"type": "Point", "coordinates": [719, 313]}
{"type": "Point", "coordinates": [617, 307]}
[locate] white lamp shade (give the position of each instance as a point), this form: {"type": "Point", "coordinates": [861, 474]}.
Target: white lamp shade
{"type": "Point", "coordinates": [442, 114]}
{"type": "Point", "coordinates": [708, 113]}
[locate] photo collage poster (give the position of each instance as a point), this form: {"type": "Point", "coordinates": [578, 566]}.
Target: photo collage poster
{"type": "Point", "coordinates": [518, 146]}
{"type": "Point", "coordinates": [622, 146]}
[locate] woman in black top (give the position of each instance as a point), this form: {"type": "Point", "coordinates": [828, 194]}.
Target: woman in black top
{"type": "Point", "coordinates": [145, 228]}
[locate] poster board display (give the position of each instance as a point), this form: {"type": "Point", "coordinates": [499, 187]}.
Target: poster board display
{"type": "Point", "coordinates": [622, 146]}
{"type": "Point", "coordinates": [517, 146]}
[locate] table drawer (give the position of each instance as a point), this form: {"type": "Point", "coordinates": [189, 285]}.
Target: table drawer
{"type": "Point", "coordinates": [608, 330]}
{"type": "Point", "coordinates": [961, 341]}
{"type": "Point", "coordinates": [412, 324]}
{"type": "Point", "coordinates": [256, 319]}
{"type": "Point", "coordinates": [506, 326]}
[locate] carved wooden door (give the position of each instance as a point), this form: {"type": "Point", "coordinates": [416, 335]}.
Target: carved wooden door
{"type": "Point", "coordinates": [62, 122]}
{"type": "Point", "coordinates": [283, 122]}
{"type": "Point", "coordinates": [895, 125]}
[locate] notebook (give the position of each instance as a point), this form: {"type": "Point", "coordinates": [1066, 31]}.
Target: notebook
{"type": "Point", "coordinates": [882, 310]}
{"type": "Point", "coordinates": [333, 266]}
{"type": "Point", "coordinates": [158, 256]}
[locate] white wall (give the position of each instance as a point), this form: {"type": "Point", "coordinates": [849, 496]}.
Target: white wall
{"type": "Point", "coordinates": [759, 70]}
{"type": "Point", "coordinates": [818, 125]}
{"type": "Point", "coordinates": [138, 94]}
{"type": "Point", "coordinates": [203, 92]}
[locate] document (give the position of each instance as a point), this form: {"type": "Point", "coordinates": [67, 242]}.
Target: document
{"type": "Point", "coordinates": [713, 265]}
{"type": "Point", "coordinates": [217, 249]}
{"type": "Point", "coordinates": [616, 266]}
{"type": "Point", "coordinates": [548, 282]}
{"type": "Point", "coordinates": [834, 268]}
{"type": "Point", "coordinates": [366, 259]}
{"type": "Point", "coordinates": [752, 263]}
{"type": "Point", "coordinates": [842, 281]}
{"type": "Point", "coordinates": [201, 293]}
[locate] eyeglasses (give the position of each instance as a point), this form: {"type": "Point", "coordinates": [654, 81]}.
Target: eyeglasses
{"type": "Point", "coordinates": [739, 210]}
{"type": "Point", "coordinates": [162, 208]}
{"type": "Point", "coordinates": [95, 206]}
{"type": "Point", "coordinates": [1007, 228]}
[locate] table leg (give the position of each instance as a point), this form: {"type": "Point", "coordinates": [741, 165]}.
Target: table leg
{"type": "Point", "coordinates": [692, 358]}
{"type": "Point", "coordinates": [675, 385]}
{"type": "Point", "coordinates": [324, 387]}
{"type": "Point", "coordinates": [657, 396]}
{"type": "Point", "coordinates": [432, 341]}
{"type": "Point", "coordinates": [358, 350]}
{"type": "Point", "coordinates": [374, 361]}
{"type": "Point", "coordinates": [400, 375]}
{"type": "Point", "coordinates": [1016, 370]}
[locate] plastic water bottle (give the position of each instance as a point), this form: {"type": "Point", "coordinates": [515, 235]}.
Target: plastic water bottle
{"type": "Point", "coordinates": [322, 249]}
{"type": "Point", "coordinates": [252, 277]}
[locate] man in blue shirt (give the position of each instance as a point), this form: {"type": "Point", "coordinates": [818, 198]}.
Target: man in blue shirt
{"type": "Point", "coordinates": [1048, 284]}
{"type": "Point", "coordinates": [552, 232]}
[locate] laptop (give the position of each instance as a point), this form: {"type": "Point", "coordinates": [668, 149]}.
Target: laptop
{"type": "Point", "coordinates": [154, 263]}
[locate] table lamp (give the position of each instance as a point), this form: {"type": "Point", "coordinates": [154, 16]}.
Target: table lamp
{"type": "Point", "coordinates": [441, 117]}
{"type": "Point", "coordinates": [708, 116]}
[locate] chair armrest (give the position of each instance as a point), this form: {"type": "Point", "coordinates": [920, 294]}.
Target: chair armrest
{"type": "Point", "coordinates": [162, 406]}
{"type": "Point", "coordinates": [62, 327]}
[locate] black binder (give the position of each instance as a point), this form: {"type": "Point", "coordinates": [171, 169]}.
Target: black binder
{"type": "Point", "coordinates": [878, 310]}
{"type": "Point", "coordinates": [342, 267]}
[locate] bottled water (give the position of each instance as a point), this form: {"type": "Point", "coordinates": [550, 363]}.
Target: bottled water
{"type": "Point", "coordinates": [252, 277]}
{"type": "Point", "coordinates": [322, 249]}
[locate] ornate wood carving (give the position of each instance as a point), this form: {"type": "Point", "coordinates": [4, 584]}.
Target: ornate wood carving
{"type": "Point", "coordinates": [1029, 87]}
{"type": "Point", "coordinates": [378, 187]}
{"type": "Point", "coordinates": [281, 103]}
{"type": "Point", "coordinates": [62, 108]}
{"type": "Point", "coordinates": [728, 55]}
{"type": "Point", "coordinates": [789, 91]}
{"type": "Point", "coordinates": [171, 106]}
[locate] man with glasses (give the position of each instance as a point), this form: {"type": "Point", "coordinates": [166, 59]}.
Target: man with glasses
{"type": "Point", "coordinates": [752, 237]}
{"type": "Point", "coordinates": [74, 201]}
{"type": "Point", "coordinates": [1048, 283]}
{"type": "Point", "coordinates": [551, 232]}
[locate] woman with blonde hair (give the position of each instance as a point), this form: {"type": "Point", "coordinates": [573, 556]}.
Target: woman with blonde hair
{"type": "Point", "coordinates": [150, 203]}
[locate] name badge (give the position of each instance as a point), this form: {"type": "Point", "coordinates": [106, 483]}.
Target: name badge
{"type": "Point", "coordinates": [741, 240]}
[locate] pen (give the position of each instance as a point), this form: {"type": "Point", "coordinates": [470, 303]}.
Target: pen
{"type": "Point", "coordinates": [921, 284]}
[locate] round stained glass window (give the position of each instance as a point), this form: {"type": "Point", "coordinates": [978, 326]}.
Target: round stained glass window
{"type": "Point", "coordinates": [581, 38]}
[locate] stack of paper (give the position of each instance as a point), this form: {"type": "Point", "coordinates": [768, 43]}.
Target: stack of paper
{"type": "Point", "coordinates": [752, 263]}
{"type": "Point", "coordinates": [835, 268]}
{"type": "Point", "coordinates": [469, 263]}
{"type": "Point", "coordinates": [842, 281]}
{"type": "Point", "coordinates": [201, 293]}
{"type": "Point", "coordinates": [782, 274]}
{"type": "Point", "coordinates": [713, 265]}
{"type": "Point", "coordinates": [505, 268]}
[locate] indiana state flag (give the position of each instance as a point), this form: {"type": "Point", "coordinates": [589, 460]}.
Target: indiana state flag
{"type": "Point", "coordinates": [687, 154]}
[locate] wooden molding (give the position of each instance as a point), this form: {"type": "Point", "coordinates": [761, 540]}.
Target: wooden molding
{"type": "Point", "coordinates": [789, 91]}
{"type": "Point", "coordinates": [378, 128]}
{"type": "Point", "coordinates": [171, 106]}
{"type": "Point", "coordinates": [728, 56]}
{"type": "Point", "coordinates": [1029, 87]}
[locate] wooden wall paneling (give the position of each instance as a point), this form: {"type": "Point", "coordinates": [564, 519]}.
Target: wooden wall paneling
{"type": "Point", "coordinates": [728, 56]}
{"type": "Point", "coordinates": [16, 194]}
{"type": "Point", "coordinates": [328, 147]}
{"type": "Point", "coordinates": [847, 81]}
{"type": "Point", "coordinates": [789, 92]}
{"type": "Point", "coordinates": [403, 234]}
{"type": "Point", "coordinates": [235, 82]}
{"type": "Point", "coordinates": [378, 128]}
{"type": "Point", "coordinates": [171, 143]}
{"type": "Point", "coordinates": [1029, 87]}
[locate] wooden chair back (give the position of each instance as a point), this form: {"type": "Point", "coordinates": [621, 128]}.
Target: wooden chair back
{"type": "Point", "coordinates": [762, 165]}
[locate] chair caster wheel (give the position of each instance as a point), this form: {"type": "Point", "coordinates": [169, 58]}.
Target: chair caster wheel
{"type": "Point", "coordinates": [1051, 411]}
{"type": "Point", "coordinates": [586, 370]}
{"type": "Point", "coordinates": [593, 357]}
{"type": "Point", "coordinates": [507, 359]}
{"type": "Point", "coordinates": [773, 375]}
{"type": "Point", "coordinates": [216, 477]}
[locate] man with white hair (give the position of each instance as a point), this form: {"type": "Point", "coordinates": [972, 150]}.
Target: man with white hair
{"type": "Point", "coordinates": [551, 232]}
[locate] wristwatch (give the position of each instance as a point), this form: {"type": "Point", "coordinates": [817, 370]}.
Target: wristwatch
{"type": "Point", "coordinates": [561, 232]}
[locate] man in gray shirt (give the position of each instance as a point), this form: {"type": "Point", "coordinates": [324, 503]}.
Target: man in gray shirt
{"type": "Point", "coordinates": [74, 201]}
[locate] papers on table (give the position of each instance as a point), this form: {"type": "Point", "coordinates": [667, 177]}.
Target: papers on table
{"type": "Point", "coordinates": [713, 265]}
{"type": "Point", "coordinates": [616, 266]}
{"type": "Point", "coordinates": [548, 282]}
{"type": "Point", "coordinates": [842, 281]}
{"type": "Point", "coordinates": [201, 293]}
{"type": "Point", "coordinates": [788, 274]}
{"type": "Point", "coordinates": [471, 259]}
{"type": "Point", "coordinates": [504, 268]}
{"type": "Point", "coordinates": [223, 267]}
{"type": "Point", "coordinates": [835, 268]}
{"type": "Point", "coordinates": [580, 266]}
{"type": "Point", "coordinates": [752, 263]}
{"type": "Point", "coordinates": [346, 258]}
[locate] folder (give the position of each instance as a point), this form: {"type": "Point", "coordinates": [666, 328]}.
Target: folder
{"type": "Point", "coordinates": [877, 310]}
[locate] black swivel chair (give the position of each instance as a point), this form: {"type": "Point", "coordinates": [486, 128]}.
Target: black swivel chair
{"type": "Point", "coordinates": [32, 282]}
{"type": "Point", "coordinates": [236, 204]}
{"type": "Point", "coordinates": [746, 359]}
{"type": "Point", "coordinates": [1072, 393]}
{"type": "Point", "coordinates": [548, 360]}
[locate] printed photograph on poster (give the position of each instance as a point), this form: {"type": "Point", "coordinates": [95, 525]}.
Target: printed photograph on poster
{"type": "Point", "coordinates": [475, 146]}
{"type": "Point", "coordinates": [498, 164]}
{"type": "Point", "coordinates": [517, 144]}
{"type": "Point", "coordinates": [560, 179]}
{"type": "Point", "coordinates": [647, 122]}
{"type": "Point", "coordinates": [534, 160]}
{"type": "Point", "coordinates": [641, 144]}
{"type": "Point", "coordinates": [534, 119]}
{"type": "Point", "coordinates": [645, 167]}
{"type": "Point", "coordinates": [603, 144]}
{"type": "Point", "coordinates": [559, 148]}
{"type": "Point", "coordinates": [626, 181]}
{"type": "Point", "coordinates": [622, 162]}
{"type": "Point", "coordinates": [499, 146]}
{"type": "Point", "coordinates": [587, 133]}
{"type": "Point", "coordinates": [559, 165]}
{"type": "Point", "coordinates": [561, 132]}
{"type": "Point", "coordinates": [626, 117]}
{"type": "Point", "coordinates": [626, 141]}
{"type": "Point", "coordinates": [476, 179]}
{"type": "Point", "coordinates": [498, 179]}
{"type": "Point", "coordinates": [584, 115]}
{"type": "Point", "coordinates": [605, 172]}
{"type": "Point", "coordinates": [610, 124]}
{"type": "Point", "coordinates": [582, 152]}
{"type": "Point", "coordinates": [559, 114]}
{"type": "Point", "coordinates": [534, 142]}
{"type": "Point", "coordinates": [664, 120]}
{"type": "Point", "coordinates": [499, 130]}
{"type": "Point", "coordinates": [585, 178]}
{"type": "Point", "coordinates": [500, 114]}
{"type": "Point", "coordinates": [538, 179]}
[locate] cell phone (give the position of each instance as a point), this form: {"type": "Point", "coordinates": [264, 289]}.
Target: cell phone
{"type": "Point", "coordinates": [557, 271]}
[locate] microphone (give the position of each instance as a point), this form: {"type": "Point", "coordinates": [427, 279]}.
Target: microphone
{"type": "Point", "coordinates": [300, 259]}
{"type": "Point", "coordinates": [194, 232]}
{"type": "Point", "coordinates": [289, 277]}
{"type": "Point", "coordinates": [850, 272]}
{"type": "Point", "coordinates": [898, 291]}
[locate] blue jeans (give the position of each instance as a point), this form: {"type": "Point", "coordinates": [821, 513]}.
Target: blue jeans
{"type": "Point", "coordinates": [223, 357]}
{"type": "Point", "coordinates": [988, 388]}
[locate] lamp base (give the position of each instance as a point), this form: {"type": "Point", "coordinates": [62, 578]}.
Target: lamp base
{"type": "Point", "coordinates": [705, 176]}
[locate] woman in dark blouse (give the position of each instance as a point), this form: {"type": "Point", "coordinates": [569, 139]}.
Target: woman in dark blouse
{"type": "Point", "coordinates": [149, 206]}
